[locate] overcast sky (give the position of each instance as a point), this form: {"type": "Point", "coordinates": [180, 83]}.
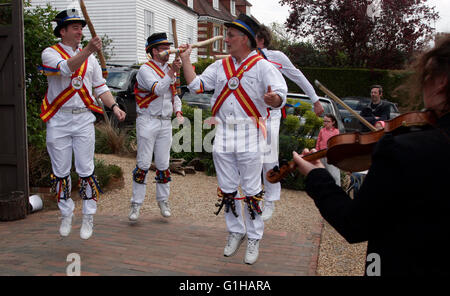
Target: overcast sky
{"type": "Point", "coordinates": [269, 11]}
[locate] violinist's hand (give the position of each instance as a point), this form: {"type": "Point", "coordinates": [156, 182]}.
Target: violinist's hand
{"type": "Point", "coordinates": [304, 166]}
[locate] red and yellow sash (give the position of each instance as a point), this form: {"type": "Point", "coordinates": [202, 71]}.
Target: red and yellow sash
{"type": "Point", "coordinates": [241, 95]}
{"type": "Point", "coordinates": [49, 110]}
{"type": "Point", "coordinates": [145, 97]}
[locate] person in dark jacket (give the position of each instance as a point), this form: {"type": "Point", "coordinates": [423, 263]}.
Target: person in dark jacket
{"type": "Point", "coordinates": [377, 110]}
{"type": "Point", "coordinates": [403, 206]}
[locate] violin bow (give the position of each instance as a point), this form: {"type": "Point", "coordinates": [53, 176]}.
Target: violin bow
{"type": "Point", "coordinates": [339, 101]}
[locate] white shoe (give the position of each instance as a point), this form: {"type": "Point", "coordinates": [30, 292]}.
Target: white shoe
{"type": "Point", "coordinates": [234, 241]}
{"type": "Point", "coordinates": [269, 208]}
{"type": "Point", "coordinates": [251, 255]}
{"type": "Point", "coordinates": [87, 226]}
{"type": "Point", "coordinates": [66, 225]}
{"type": "Point", "coordinates": [134, 211]}
{"type": "Point", "coordinates": [164, 207]}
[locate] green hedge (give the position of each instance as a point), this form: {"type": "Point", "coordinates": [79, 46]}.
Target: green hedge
{"type": "Point", "coordinates": [343, 82]}
{"type": "Point", "coordinates": [355, 82]}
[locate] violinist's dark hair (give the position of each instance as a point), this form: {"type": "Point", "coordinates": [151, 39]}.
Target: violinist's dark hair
{"type": "Point", "coordinates": [333, 119]}
{"type": "Point", "coordinates": [433, 64]}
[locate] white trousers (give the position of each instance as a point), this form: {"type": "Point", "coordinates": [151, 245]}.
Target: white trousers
{"type": "Point", "coordinates": [272, 190]}
{"type": "Point", "coordinates": [154, 136]}
{"type": "Point", "coordinates": [234, 169]}
{"type": "Point", "coordinates": [74, 138]}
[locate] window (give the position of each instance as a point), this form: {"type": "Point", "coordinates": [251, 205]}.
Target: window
{"type": "Point", "coordinates": [148, 23]}
{"type": "Point", "coordinates": [216, 4]}
{"type": "Point", "coordinates": [233, 7]}
{"type": "Point", "coordinates": [225, 49]}
{"type": "Point", "coordinates": [190, 3]}
{"type": "Point", "coordinates": [216, 44]}
{"type": "Point", "coordinates": [190, 34]}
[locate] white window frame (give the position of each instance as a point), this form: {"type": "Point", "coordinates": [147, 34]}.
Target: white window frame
{"type": "Point", "coordinates": [216, 44]}
{"type": "Point", "coordinates": [216, 4]}
{"type": "Point", "coordinates": [149, 28]}
{"type": "Point", "coordinates": [189, 34]}
{"type": "Point", "coordinates": [233, 7]}
{"type": "Point", "coordinates": [224, 47]}
{"type": "Point", "coordinates": [190, 3]}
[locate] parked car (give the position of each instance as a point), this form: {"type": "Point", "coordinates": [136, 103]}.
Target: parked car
{"type": "Point", "coordinates": [121, 81]}
{"type": "Point", "coordinates": [351, 123]}
{"type": "Point", "coordinates": [202, 101]}
{"type": "Point", "coordinates": [328, 105]}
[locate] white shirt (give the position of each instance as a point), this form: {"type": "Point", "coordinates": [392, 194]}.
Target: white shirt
{"type": "Point", "coordinates": [255, 82]}
{"type": "Point", "coordinates": [162, 105]}
{"type": "Point", "coordinates": [56, 84]}
{"type": "Point", "coordinates": [282, 63]}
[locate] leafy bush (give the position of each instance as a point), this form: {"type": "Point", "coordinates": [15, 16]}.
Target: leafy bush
{"type": "Point", "coordinates": [109, 140]}
{"type": "Point", "coordinates": [38, 35]}
{"type": "Point", "coordinates": [296, 136]}
{"type": "Point", "coordinates": [40, 168]}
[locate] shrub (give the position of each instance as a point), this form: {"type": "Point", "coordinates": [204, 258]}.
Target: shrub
{"type": "Point", "coordinates": [109, 140]}
{"type": "Point", "coordinates": [40, 168]}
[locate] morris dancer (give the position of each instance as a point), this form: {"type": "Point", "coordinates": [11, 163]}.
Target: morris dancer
{"type": "Point", "coordinates": [156, 99]}
{"type": "Point", "coordinates": [285, 66]}
{"type": "Point", "coordinates": [241, 98]}
{"type": "Point", "coordinates": [72, 74]}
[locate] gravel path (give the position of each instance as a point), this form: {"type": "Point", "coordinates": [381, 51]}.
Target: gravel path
{"type": "Point", "coordinates": [295, 212]}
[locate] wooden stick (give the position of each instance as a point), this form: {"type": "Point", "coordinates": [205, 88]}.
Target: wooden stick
{"type": "Point", "coordinates": [221, 56]}
{"type": "Point", "coordinates": [195, 45]}
{"type": "Point", "coordinates": [337, 100]}
{"type": "Point", "coordinates": [175, 42]}
{"type": "Point", "coordinates": [93, 34]}
{"type": "Point", "coordinates": [100, 55]}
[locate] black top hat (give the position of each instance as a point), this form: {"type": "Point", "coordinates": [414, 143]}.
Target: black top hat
{"type": "Point", "coordinates": [247, 25]}
{"type": "Point", "coordinates": [66, 17]}
{"type": "Point", "coordinates": [156, 39]}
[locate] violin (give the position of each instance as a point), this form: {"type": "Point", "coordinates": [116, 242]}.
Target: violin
{"type": "Point", "coordinates": [352, 152]}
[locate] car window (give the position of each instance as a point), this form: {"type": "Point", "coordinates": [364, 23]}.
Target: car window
{"type": "Point", "coordinates": [199, 98]}
{"type": "Point", "coordinates": [326, 105]}
{"type": "Point", "coordinates": [117, 79]}
{"type": "Point", "coordinates": [354, 104]}
{"type": "Point", "coordinates": [394, 109]}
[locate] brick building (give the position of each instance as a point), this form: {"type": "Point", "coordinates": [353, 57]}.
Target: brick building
{"type": "Point", "coordinates": [212, 15]}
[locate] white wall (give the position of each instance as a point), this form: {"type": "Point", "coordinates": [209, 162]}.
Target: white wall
{"type": "Point", "coordinates": [123, 22]}
{"type": "Point", "coordinates": [164, 11]}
